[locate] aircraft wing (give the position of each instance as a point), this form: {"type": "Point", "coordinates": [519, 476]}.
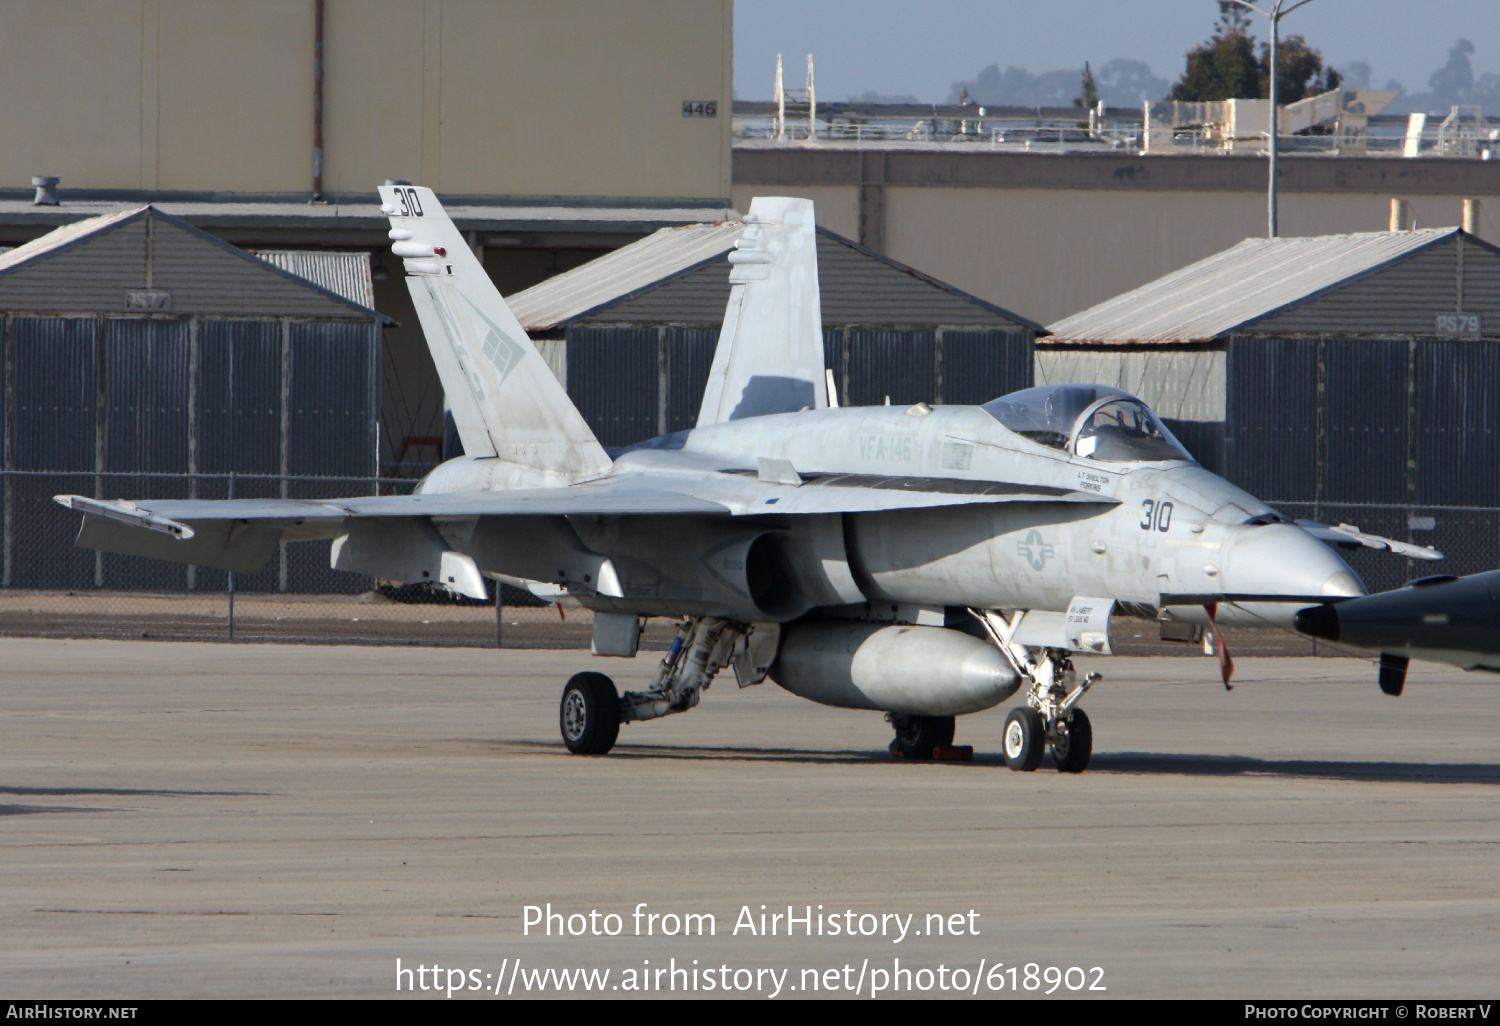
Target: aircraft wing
{"type": "Point", "coordinates": [241, 534]}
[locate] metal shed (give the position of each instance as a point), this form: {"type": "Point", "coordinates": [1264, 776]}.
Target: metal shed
{"type": "Point", "coordinates": [148, 359]}
{"type": "Point", "coordinates": [1347, 377]}
{"type": "Point", "coordinates": [632, 333]}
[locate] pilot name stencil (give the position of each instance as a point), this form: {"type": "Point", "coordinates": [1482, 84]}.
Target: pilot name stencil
{"type": "Point", "coordinates": [1092, 482]}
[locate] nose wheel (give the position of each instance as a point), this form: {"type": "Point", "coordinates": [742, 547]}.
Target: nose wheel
{"type": "Point", "coordinates": [1073, 744]}
{"type": "Point", "coordinates": [1027, 738]}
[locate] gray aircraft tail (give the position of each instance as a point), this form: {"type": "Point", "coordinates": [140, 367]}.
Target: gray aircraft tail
{"type": "Point", "coordinates": [504, 400]}
{"type": "Point", "coordinates": [770, 353]}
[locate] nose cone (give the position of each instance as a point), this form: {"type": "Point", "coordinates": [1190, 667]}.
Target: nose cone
{"type": "Point", "coordinates": [1283, 559]}
{"type": "Point", "coordinates": [1319, 622]}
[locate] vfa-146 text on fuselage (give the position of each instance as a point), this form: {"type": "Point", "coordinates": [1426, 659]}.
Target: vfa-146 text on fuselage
{"type": "Point", "coordinates": [921, 562]}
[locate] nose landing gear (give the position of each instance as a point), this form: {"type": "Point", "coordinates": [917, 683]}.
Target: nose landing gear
{"type": "Point", "coordinates": [1050, 718]}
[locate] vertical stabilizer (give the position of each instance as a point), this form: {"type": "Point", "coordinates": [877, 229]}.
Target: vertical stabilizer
{"type": "Point", "coordinates": [504, 399]}
{"type": "Point", "coordinates": [770, 353]}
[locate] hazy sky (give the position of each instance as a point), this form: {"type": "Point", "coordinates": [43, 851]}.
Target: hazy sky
{"type": "Point", "coordinates": [922, 48]}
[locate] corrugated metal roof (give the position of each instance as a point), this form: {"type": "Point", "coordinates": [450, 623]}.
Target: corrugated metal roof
{"type": "Point", "coordinates": [344, 274]}
{"type": "Point", "coordinates": [89, 265]}
{"type": "Point", "coordinates": [630, 285]}
{"type": "Point", "coordinates": [1241, 285]}
{"type": "Point", "coordinates": [623, 273]}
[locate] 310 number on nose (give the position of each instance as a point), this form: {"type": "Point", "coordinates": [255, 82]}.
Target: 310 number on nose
{"type": "Point", "coordinates": [1158, 516]}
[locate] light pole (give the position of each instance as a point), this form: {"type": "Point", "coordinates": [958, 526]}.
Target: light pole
{"type": "Point", "coordinates": [1278, 10]}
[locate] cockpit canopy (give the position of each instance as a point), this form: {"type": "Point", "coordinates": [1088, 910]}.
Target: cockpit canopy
{"type": "Point", "coordinates": [1093, 421]}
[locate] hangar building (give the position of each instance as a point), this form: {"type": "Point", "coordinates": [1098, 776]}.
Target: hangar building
{"type": "Point", "coordinates": [1350, 378]}
{"type": "Point", "coordinates": [148, 359]}
{"type": "Point", "coordinates": [633, 332]}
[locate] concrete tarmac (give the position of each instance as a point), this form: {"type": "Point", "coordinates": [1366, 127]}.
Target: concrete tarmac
{"type": "Point", "coordinates": [195, 819]}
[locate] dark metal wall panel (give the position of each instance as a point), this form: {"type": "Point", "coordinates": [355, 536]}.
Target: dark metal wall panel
{"type": "Point", "coordinates": [146, 392]}
{"type": "Point", "coordinates": [55, 384]}
{"type": "Point", "coordinates": [146, 430]}
{"type": "Point", "coordinates": [1364, 423]}
{"type": "Point", "coordinates": [899, 365]}
{"type": "Point", "coordinates": [1400, 300]}
{"type": "Point", "coordinates": [1203, 439]}
{"type": "Point", "coordinates": [977, 366]}
{"type": "Point", "coordinates": [614, 380]}
{"type": "Point", "coordinates": [1271, 447]}
{"type": "Point", "coordinates": [239, 401]}
{"type": "Point", "coordinates": [332, 413]}
{"type": "Point", "coordinates": [1458, 423]}
{"type": "Point", "coordinates": [690, 356]}
{"type": "Point", "coordinates": [332, 416]}
{"type": "Point", "coordinates": [55, 377]}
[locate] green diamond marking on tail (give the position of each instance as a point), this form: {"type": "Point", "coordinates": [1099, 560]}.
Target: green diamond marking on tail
{"type": "Point", "coordinates": [1035, 551]}
{"type": "Point", "coordinates": [499, 348]}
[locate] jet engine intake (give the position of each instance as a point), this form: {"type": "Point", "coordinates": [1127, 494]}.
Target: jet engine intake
{"type": "Point", "coordinates": [921, 671]}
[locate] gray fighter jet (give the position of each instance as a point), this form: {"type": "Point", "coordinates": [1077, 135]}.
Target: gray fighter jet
{"type": "Point", "coordinates": [921, 562]}
{"type": "Point", "coordinates": [1444, 619]}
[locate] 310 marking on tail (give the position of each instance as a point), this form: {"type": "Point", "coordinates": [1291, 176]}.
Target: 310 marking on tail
{"type": "Point", "coordinates": [411, 206]}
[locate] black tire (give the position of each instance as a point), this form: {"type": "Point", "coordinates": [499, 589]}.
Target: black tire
{"type": "Point", "coordinates": [589, 714]}
{"type": "Point", "coordinates": [917, 736]}
{"type": "Point", "coordinates": [1025, 739]}
{"type": "Point", "coordinates": [1071, 751]}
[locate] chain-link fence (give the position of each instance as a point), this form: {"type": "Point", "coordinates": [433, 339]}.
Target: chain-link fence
{"type": "Point", "coordinates": [51, 588]}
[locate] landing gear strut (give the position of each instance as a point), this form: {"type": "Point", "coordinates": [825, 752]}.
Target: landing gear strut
{"type": "Point", "coordinates": [1050, 717]}
{"type": "Point", "coordinates": [592, 711]}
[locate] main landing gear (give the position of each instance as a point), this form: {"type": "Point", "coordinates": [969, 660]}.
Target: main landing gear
{"type": "Point", "coordinates": [918, 736]}
{"type": "Point", "coordinates": [591, 710]}
{"type": "Point", "coordinates": [590, 714]}
{"type": "Point", "coordinates": [1050, 718]}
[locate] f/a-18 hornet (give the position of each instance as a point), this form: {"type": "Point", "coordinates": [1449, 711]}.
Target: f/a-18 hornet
{"type": "Point", "coordinates": [924, 562]}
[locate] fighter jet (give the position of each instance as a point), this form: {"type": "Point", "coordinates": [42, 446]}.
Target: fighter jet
{"type": "Point", "coordinates": [1445, 619]}
{"type": "Point", "coordinates": [924, 562]}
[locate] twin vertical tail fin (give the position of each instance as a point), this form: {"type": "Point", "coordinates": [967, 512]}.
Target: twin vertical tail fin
{"type": "Point", "coordinates": [770, 353]}
{"type": "Point", "coordinates": [504, 399]}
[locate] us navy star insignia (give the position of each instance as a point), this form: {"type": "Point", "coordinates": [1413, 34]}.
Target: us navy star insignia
{"type": "Point", "coordinates": [1035, 551]}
